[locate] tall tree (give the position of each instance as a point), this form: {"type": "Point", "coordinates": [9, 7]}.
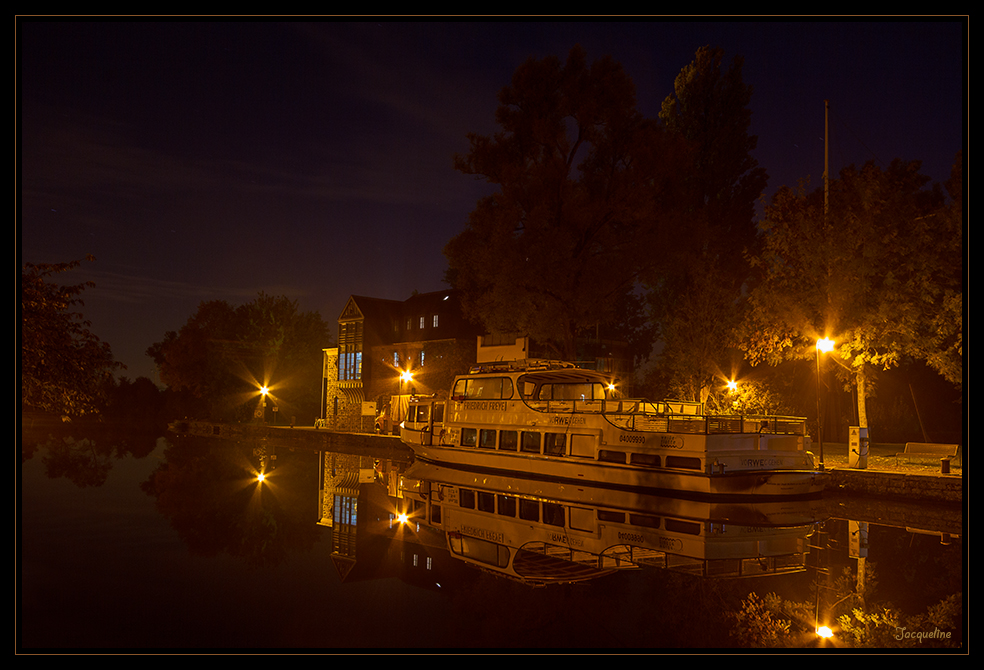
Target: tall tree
{"type": "Point", "coordinates": [64, 365]}
{"type": "Point", "coordinates": [869, 273]}
{"type": "Point", "coordinates": [697, 303]}
{"type": "Point", "coordinates": [709, 108]}
{"type": "Point", "coordinates": [582, 181]}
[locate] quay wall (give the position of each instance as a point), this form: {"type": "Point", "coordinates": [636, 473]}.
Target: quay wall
{"type": "Point", "coordinates": [896, 485]}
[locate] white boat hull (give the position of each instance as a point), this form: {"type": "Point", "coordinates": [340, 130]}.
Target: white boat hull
{"type": "Point", "coordinates": [737, 483]}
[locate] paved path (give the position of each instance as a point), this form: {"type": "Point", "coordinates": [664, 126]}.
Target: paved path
{"type": "Point", "coordinates": [882, 457]}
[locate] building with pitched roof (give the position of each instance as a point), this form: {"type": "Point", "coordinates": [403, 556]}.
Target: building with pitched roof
{"type": "Point", "coordinates": [389, 347]}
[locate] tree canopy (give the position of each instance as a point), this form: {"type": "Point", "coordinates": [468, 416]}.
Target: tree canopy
{"type": "Point", "coordinates": [584, 187]}
{"type": "Point", "coordinates": [223, 355]}
{"type": "Point", "coordinates": [64, 365]}
{"type": "Point", "coordinates": [879, 272]}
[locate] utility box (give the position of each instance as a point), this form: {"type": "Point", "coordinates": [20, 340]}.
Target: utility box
{"type": "Point", "coordinates": [857, 448]}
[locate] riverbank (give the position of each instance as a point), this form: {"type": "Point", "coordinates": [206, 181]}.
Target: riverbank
{"type": "Point", "coordinates": [888, 477]}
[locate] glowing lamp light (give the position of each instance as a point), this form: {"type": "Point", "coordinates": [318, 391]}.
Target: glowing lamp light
{"type": "Point", "coordinates": [824, 631]}
{"type": "Point", "coordinates": [732, 386]}
{"type": "Point", "coordinates": [264, 390]}
{"type": "Point", "coordinates": [825, 345]}
{"type": "Point", "coordinates": [260, 477]}
{"type": "Point", "coordinates": [401, 518]}
{"type": "Point", "coordinates": [406, 376]}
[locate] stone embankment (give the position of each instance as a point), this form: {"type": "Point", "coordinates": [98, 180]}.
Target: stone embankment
{"type": "Point", "coordinates": [897, 485]}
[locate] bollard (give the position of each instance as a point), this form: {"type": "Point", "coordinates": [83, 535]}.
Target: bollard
{"type": "Point", "coordinates": [945, 465]}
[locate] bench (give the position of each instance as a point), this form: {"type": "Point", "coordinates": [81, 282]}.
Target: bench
{"type": "Point", "coordinates": [942, 451]}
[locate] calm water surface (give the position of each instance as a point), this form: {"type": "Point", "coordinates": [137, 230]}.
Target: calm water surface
{"type": "Point", "coordinates": [171, 544]}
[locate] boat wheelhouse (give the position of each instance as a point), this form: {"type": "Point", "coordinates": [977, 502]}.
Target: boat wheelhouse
{"type": "Point", "coordinates": [553, 420]}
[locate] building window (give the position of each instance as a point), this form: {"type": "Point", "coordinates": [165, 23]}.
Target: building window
{"type": "Point", "coordinates": [434, 321]}
{"type": "Point", "coordinates": [421, 323]}
{"type": "Point", "coordinates": [396, 359]}
{"type": "Point", "coordinates": [350, 351]}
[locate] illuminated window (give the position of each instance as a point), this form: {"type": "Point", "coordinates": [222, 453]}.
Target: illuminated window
{"type": "Point", "coordinates": [434, 321]}
{"type": "Point", "coordinates": [350, 351]}
{"type": "Point", "coordinates": [421, 322]}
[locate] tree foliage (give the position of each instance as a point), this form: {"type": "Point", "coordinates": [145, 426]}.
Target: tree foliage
{"type": "Point", "coordinates": [583, 186]}
{"type": "Point", "coordinates": [224, 354]}
{"type": "Point", "coordinates": [64, 365]}
{"type": "Point", "coordinates": [874, 272]}
{"type": "Point", "coordinates": [710, 109]}
{"type": "Point", "coordinates": [698, 300]}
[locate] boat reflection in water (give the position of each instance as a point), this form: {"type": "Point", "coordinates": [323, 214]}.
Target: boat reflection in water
{"type": "Point", "coordinates": [547, 533]}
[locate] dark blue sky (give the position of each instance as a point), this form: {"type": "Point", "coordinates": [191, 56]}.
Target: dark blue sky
{"type": "Point", "coordinates": [213, 160]}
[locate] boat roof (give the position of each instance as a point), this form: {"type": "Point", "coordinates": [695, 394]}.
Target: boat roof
{"type": "Point", "coordinates": [544, 371]}
{"type": "Point", "coordinates": [574, 376]}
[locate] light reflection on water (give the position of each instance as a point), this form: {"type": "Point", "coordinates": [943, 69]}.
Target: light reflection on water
{"type": "Point", "coordinates": [180, 547]}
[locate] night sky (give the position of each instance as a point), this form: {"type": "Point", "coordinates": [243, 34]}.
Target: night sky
{"type": "Point", "coordinates": [204, 160]}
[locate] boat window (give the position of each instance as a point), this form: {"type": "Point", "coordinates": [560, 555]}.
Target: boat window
{"type": "Point", "coordinates": [611, 456]}
{"type": "Point", "coordinates": [486, 501]}
{"type": "Point", "coordinates": [507, 506]}
{"type": "Point", "coordinates": [679, 526]}
{"type": "Point", "coordinates": [466, 499]}
{"type": "Point", "coordinates": [554, 444]}
{"type": "Point", "coordinates": [644, 520]}
{"type": "Point", "coordinates": [529, 510]}
{"type": "Point", "coordinates": [469, 437]}
{"type": "Point", "coordinates": [484, 388]}
{"type": "Point", "coordinates": [571, 392]}
{"type": "Point", "coordinates": [508, 440]}
{"type": "Point", "coordinates": [423, 412]}
{"type": "Point", "coordinates": [435, 514]}
{"type": "Point", "coordinates": [531, 443]}
{"type": "Point", "coordinates": [486, 439]}
{"type": "Point", "coordinates": [553, 514]}
{"type": "Point", "coordinates": [650, 460]}
{"type": "Point", "coordinates": [610, 515]}
{"type": "Point", "coordinates": [687, 462]}
{"type": "Point", "coordinates": [438, 412]}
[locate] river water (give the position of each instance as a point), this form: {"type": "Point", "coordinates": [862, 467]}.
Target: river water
{"type": "Point", "coordinates": [149, 544]}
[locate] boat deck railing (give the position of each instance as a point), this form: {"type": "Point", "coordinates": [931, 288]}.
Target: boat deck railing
{"type": "Point", "coordinates": [672, 417]}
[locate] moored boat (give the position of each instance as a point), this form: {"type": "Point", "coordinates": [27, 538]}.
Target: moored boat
{"type": "Point", "coordinates": [555, 421]}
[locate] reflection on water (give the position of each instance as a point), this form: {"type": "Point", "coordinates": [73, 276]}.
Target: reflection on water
{"type": "Point", "coordinates": [544, 533]}
{"type": "Point", "coordinates": [185, 545]}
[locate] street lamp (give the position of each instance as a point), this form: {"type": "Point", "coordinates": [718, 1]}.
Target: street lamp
{"type": "Point", "coordinates": [826, 344]}
{"type": "Point", "coordinates": [405, 376]}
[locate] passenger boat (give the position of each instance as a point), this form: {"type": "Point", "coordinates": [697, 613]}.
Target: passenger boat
{"type": "Point", "coordinates": [553, 420]}
{"type": "Point", "coordinates": [542, 532]}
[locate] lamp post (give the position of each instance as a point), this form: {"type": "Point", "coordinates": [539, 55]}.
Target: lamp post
{"type": "Point", "coordinates": [825, 345]}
